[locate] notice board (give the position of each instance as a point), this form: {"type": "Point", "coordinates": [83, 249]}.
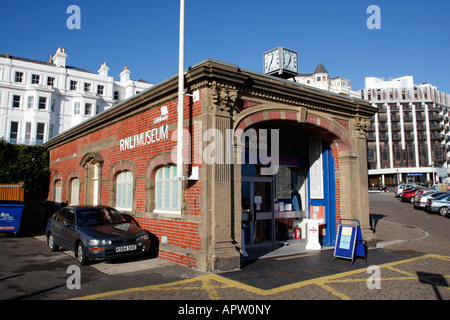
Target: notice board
{"type": "Point", "coordinates": [349, 241]}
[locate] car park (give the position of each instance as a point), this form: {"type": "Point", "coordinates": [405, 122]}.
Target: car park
{"type": "Point", "coordinates": [420, 200]}
{"type": "Point", "coordinates": [402, 186]}
{"type": "Point", "coordinates": [439, 204]}
{"type": "Point", "coordinates": [96, 233]}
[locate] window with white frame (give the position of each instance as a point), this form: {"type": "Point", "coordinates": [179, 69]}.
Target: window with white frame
{"type": "Point", "coordinates": [42, 103]}
{"type": "Point", "coordinates": [124, 190]}
{"type": "Point", "coordinates": [16, 101]}
{"type": "Point", "coordinates": [35, 79]}
{"type": "Point", "coordinates": [13, 132]}
{"type": "Point", "coordinates": [19, 77]}
{"type": "Point", "coordinates": [51, 81]}
{"type": "Point", "coordinates": [76, 108]}
{"type": "Point", "coordinates": [75, 191]}
{"type": "Point", "coordinates": [27, 132]}
{"type": "Point", "coordinates": [40, 133]}
{"type": "Point", "coordinates": [166, 190]}
{"type": "Point", "coordinates": [73, 85]}
{"type": "Point", "coordinates": [58, 191]}
{"type": "Point", "coordinates": [88, 109]}
{"type": "Point", "coordinates": [30, 102]}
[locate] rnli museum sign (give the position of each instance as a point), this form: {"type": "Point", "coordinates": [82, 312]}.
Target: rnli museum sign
{"type": "Point", "coordinates": [148, 137]}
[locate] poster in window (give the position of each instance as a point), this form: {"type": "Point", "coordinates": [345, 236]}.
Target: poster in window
{"type": "Point", "coordinates": [283, 183]}
{"type": "Point", "coordinates": [316, 168]}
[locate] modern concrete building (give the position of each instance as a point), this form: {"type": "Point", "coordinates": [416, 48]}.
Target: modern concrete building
{"type": "Point", "coordinates": [408, 139]}
{"type": "Point", "coordinates": [39, 100]}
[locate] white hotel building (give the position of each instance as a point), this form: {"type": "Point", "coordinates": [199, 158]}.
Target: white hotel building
{"type": "Point", "coordinates": [39, 100]}
{"type": "Point", "coordinates": [409, 138]}
{"type": "Point", "coordinates": [321, 79]}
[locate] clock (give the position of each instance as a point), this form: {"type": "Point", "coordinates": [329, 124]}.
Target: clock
{"type": "Point", "coordinates": [272, 61]}
{"type": "Point", "coordinates": [290, 60]}
{"type": "Point", "coordinates": [281, 62]}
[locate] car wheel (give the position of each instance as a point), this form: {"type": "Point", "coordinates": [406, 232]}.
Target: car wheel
{"type": "Point", "coordinates": [51, 243]}
{"type": "Point", "coordinates": [81, 254]}
{"type": "Point", "coordinates": [443, 211]}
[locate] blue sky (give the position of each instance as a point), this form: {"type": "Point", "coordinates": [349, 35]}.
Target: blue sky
{"type": "Point", "coordinates": [143, 35]}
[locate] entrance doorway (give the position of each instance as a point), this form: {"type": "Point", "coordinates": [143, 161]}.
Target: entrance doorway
{"type": "Point", "coordinates": [257, 211]}
{"type": "Point", "coordinates": [275, 208]}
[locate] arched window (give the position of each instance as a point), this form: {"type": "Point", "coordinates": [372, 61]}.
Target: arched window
{"type": "Point", "coordinates": [167, 198]}
{"type": "Point", "coordinates": [124, 190]}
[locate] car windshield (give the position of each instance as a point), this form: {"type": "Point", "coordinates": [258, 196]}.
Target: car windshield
{"type": "Point", "coordinates": [96, 216]}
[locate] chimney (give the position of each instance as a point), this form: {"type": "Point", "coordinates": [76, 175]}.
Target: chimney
{"type": "Point", "coordinates": [59, 59]}
{"type": "Point", "coordinates": [125, 75]}
{"type": "Point", "coordinates": [103, 71]}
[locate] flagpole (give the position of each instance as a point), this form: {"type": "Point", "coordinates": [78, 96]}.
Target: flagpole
{"type": "Point", "coordinates": [180, 101]}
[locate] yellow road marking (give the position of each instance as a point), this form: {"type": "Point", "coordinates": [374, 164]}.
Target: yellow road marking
{"type": "Point", "coordinates": [205, 281]}
{"type": "Point", "coordinates": [333, 291]}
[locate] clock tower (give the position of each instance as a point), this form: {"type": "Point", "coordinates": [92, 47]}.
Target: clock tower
{"type": "Point", "coordinates": [281, 62]}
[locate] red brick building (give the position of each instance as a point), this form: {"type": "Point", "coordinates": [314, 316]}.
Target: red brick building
{"type": "Point", "coordinates": [126, 157]}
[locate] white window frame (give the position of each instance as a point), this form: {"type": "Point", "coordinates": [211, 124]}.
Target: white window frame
{"type": "Point", "coordinates": [42, 102]}
{"type": "Point", "coordinates": [58, 191]}
{"type": "Point", "coordinates": [28, 126]}
{"type": "Point", "coordinates": [76, 107]}
{"type": "Point", "coordinates": [124, 191]}
{"type": "Point", "coordinates": [35, 78]}
{"type": "Point", "coordinates": [165, 184]}
{"type": "Point", "coordinates": [19, 76]}
{"type": "Point", "coordinates": [88, 109]}
{"type": "Point", "coordinates": [51, 81]}
{"type": "Point", "coordinates": [73, 85]}
{"type": "Point", "coordinates": [75, 192]}
{"type": "Point", "coordinates": [30, 103]}
{"type": "Point", "coordinates": [19, 101]}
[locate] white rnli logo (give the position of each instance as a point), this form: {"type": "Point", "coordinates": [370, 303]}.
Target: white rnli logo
{"type": "Point", "coordinates": [164, 115]}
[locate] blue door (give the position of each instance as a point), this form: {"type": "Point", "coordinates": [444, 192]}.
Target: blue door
{"type": "Point", "coordinates": [325, 203]}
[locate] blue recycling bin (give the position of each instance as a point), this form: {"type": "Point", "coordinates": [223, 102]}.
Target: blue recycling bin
{"type": "Point", "coordinates": [10, 216]}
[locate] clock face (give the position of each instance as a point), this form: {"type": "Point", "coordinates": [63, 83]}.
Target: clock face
{"type": "Point", "coordinates": [271, 61]}
{"type": "Point", "coordinates": [290, 60]}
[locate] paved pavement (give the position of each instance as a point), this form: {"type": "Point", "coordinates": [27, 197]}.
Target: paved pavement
{"type": "Point", "coordinates": [409, 263]}
{"type": "Point", "coordinates": [412, 262]}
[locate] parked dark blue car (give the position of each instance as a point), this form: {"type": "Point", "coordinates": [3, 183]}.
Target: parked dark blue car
{"type": "Point", "coordinates": [95, 233]}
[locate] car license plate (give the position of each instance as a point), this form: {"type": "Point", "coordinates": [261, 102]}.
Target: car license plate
{"type": "Point", "coordinates": [126, 248]}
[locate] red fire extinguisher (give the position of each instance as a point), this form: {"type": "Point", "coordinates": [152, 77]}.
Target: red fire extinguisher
{"type": "Point", "coordinates": [297, 234]}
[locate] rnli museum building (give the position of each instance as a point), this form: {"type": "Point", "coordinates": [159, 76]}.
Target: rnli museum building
{"type": "Point", "coordinates": [261, 155]}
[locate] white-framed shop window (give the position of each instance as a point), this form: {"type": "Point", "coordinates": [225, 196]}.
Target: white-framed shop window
{"type": "Point", "coordinates": [167, 199]}
{"type": "Point", "coordinates": [124, 191]}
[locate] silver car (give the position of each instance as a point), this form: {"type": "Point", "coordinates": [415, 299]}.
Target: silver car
{"type": "Point", "coordinates": [439, 204]}
{"type": "Point", "coordinates": [420, 200]}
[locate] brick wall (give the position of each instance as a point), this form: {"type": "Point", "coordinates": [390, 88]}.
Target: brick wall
{"type": "Point", "coordinates": [106, 142]}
